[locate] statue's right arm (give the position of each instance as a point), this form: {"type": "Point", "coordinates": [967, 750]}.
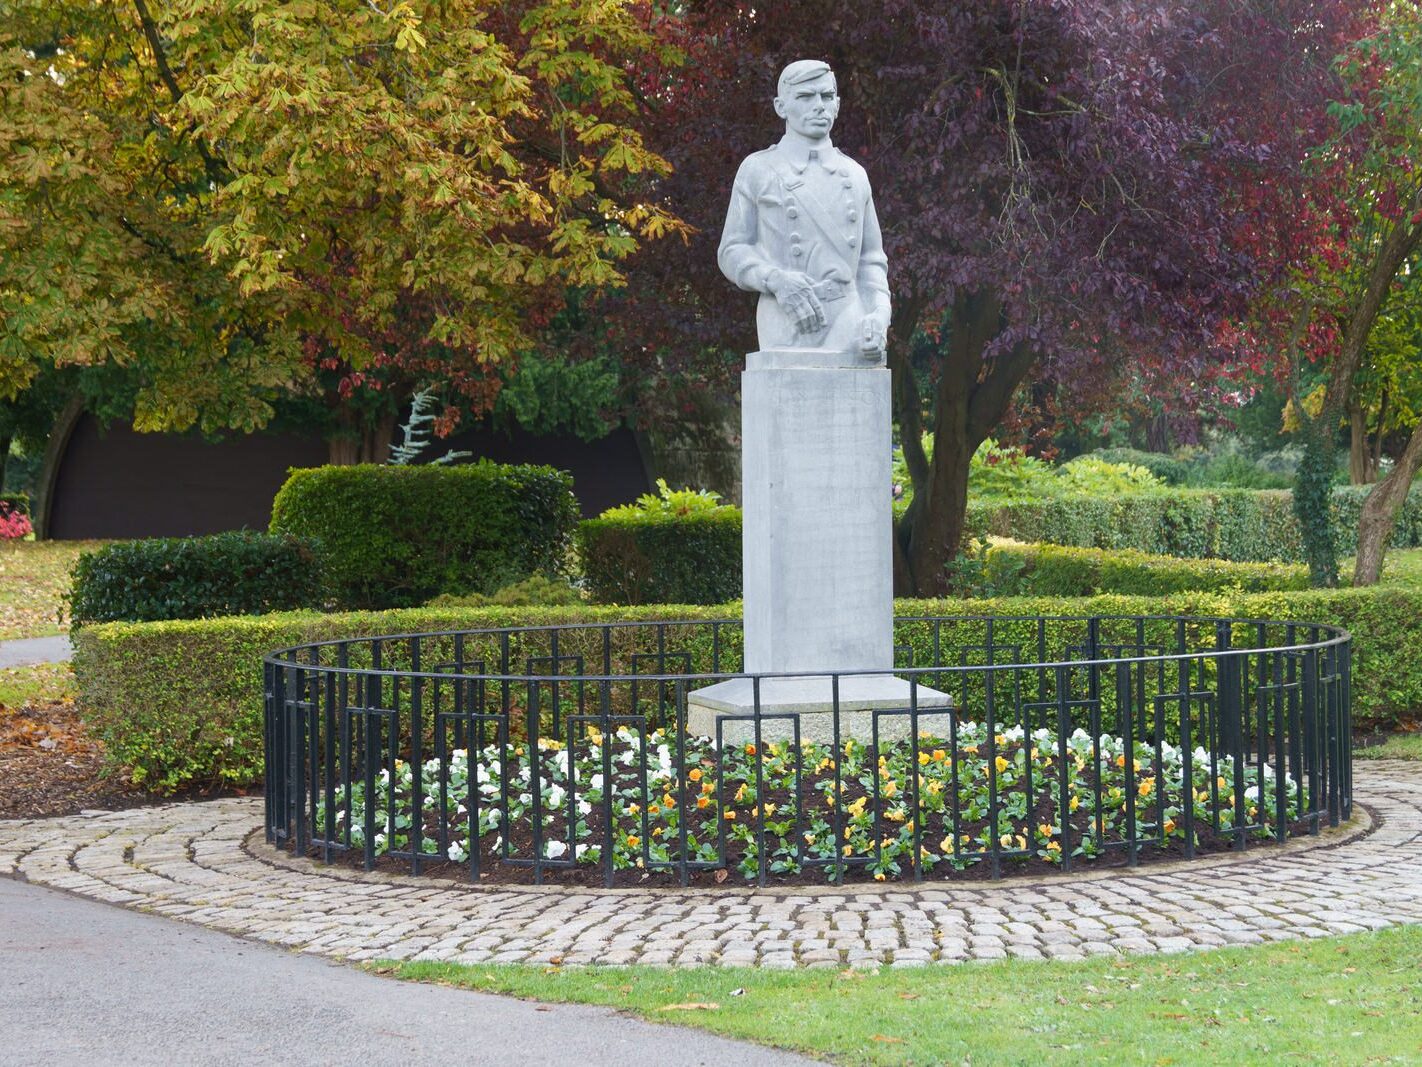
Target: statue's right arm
{"type": "Point", "coordinates": [739, 256]}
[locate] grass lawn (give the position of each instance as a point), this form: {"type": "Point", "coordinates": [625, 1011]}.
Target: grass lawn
{"type": "Point", "coordinates": [1398, 746]}
{"type": "Point", "coordinates": [34, 576]}
{"type": "Point", "coordinates": [37, 684]}
{"type": "Point", "coordinates": [1354, 1000]}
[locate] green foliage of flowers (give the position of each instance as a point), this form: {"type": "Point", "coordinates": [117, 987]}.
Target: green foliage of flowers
{"type": "Point", "coordinates": [666, 502]}
{"type": "Point", "coordinates": [395, 536]}
{"type": "Point", "coordinates": [812, 807]}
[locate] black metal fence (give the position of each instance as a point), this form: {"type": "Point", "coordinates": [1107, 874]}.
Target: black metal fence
{"type": "Point", "coordinates": [563, 752]}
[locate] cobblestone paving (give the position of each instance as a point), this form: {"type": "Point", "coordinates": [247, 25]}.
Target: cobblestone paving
{"type": "Point", "coordinates": [203, 863]}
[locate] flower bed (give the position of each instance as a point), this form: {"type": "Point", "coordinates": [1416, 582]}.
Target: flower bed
{"type": "Point", "coordinates": [499, 756]}
{"type": "Point", "coordinates": [707, 806]}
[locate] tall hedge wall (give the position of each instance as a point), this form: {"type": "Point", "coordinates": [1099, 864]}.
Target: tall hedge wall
{"type": "Point", "coordinates": [663, 559]}
{"type": "Point", "coordinates": [396, 536]}
{"type": "Point", "coordinates": [180, 703]}
{"type": "Point", "coordinates": [1232, 524]}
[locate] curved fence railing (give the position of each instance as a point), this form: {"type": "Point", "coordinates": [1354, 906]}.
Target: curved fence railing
{"type": "Point", "coordinates": [564, 753]}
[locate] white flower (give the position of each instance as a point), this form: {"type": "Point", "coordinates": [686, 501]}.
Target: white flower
{"type": "Point", "coordinates": [584, 808]}
{"type": "Point", "coordinates": [556, 795]}
{"type": "Point", "coordinates": [1252, 793]}
{"type": "Point", "coordinates": [554, 849]}
{"type": "Point", "coordinates": [457, 853]}
{"type": "Point", "coordinates": [595, 782]}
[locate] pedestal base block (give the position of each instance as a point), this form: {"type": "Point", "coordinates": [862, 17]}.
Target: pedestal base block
{"type": "Point", "coordinates": [810, 699]}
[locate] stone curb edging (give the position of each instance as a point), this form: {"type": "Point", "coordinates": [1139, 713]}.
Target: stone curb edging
{"type": "Point", "coordinates": [188, 861]}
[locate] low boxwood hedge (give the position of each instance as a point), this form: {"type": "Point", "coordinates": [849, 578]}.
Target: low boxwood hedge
{"type": "Point", "coordinates": [179, 704]}
{"type": "Point", "coordinates": [396, 536]}
{"type": "Point", "coordinates": [237, 573]}
{"type": "Point", "coordinates": [662, 559]}
{"type": "Point", "coordinates": [1010, 569]}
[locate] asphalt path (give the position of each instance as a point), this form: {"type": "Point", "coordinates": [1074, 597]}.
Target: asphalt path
{"type": "Point", "coordinates": [87, 983]}
{"type": "Point", "coordinates": [30, 650]}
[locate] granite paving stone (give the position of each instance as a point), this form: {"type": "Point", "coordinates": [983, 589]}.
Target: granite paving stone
{"type": "Point", "coordinates": [207, 863]}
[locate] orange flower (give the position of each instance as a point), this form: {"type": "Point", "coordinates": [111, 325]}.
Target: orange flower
{"type": "Point", "coordinates": [703, 802]}
{"type": "Point", "coordinates": [750, 750]}
{"type": "Point", "coordinates": [633, 841]}
{"type": "Point", "coordinates": [694, 774]}
{"type": "Point", "coordinates": [730, 816]}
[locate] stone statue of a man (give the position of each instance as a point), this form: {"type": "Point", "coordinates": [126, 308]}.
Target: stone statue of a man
{"type": "Point", "coordinates": [801, 230]}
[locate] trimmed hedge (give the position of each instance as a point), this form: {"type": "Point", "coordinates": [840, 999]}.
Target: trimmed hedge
{"type": "Point", "coordinates": [663, 559]}
{"type": "Point", "coordinates": [180, 703]}
{"type": "Point", "coordinates": [396, 536]}
{"type": "Point", "coordinates": [1244, 525]}
{"type": "Point", "coordinates": [236, 573]}
{"type": "Point", "coordinates": [1062, 570]}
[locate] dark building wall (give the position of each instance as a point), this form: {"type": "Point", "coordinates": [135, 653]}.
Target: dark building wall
{"type": "Point", "coordinates": [115, 483]}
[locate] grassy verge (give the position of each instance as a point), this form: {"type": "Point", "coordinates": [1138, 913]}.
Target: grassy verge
{"type": "Point", "coordinates": [38, 684]}
{"type": "Point", "coordinates": [34, 576]}
{"type": "Point", "coordinates": [1355, 999]}
{"type": "Point", "coordinates": [1398, 746]}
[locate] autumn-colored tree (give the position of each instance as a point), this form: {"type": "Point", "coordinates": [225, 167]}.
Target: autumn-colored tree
{"type": "Point", "coordinates": [1061, 188]}
{"type": "Point", "coordinates": [230, 198]}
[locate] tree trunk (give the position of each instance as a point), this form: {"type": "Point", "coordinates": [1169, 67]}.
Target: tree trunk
{"type": "Point", "coordinates": [4, 459]}
{"type": "Point", "coordinates": [1380, 509]}
{"type": "Point", "coordinates": [973, 395]}
{"type": "Point", "coordinates": [351, 443]}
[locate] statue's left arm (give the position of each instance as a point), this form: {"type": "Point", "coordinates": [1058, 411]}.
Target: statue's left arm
{"type": "Point", "coordinates": [873, 282]}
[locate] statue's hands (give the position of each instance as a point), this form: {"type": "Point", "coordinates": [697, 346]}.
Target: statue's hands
{"type": "Point", "coordinates": [795, 293]}
{"type": "Point", "coordinates": [874, 335]}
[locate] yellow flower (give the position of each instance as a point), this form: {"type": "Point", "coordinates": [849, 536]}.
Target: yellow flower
{"type": "Point", "coordinates": [946, 844]}
{"type": "Point", "coordinates": [656, 831]}
{"type": "Point", "coordinates": [633, 808]}
{"type": "Point", "coordinates": [730, 816]}
{"type": "Point", "coordinates": [741, 794]}
{"type": "Point", "coordinates": [594, 736]}
{"type": "Point", "coordinates": [1169, 826]}
{"type": "Point", "coordinates": [1000, 739]}
{"type": "Point", "coordinates": [890, 787]}
{"type": "Point", "coordinates": [1005, 840]}
{"type": "Point", "coordinates": [1221, 783]}
{"type": "Point", "coordinates": [1075, 802]}
{"type": "Point", "coordinates": [1021, 841]}
{"type": "Point", "coordinates": [896, 815]}
{"type": "Point", "coordinates": [1054, 846]}
{"type": "Point", "coordinates": [809, 838]}
{"type": "Point", "coordinates": [1046, 829]}
{"type": "Point", "coordinates": [1146, 787]}
{"type": "Point", "coordinates": [923, 758]}
{"type": "Point", "coordinates": [879, 877]}
{"type": "Point", "coordinates": [848, 850]}
{"type": "Point", "coordinates": [668, 801]}
{"type": "Point", "coordinates": [633, 841]}
{"type": "Point", "coordinates": [970, 750]}
{"type": "Point", "coordinates": [654, 809]}
{"type": "Point", "coordinates": [1002, 764]}
{"type": "Point", "coordinates": [857, 808]}
{"type": "Point", "coordinates": [1120, 761]}
{"type": "Point", "coordinates": [694, 774]}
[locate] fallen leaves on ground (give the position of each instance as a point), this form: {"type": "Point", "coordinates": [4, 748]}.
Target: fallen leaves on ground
{"type": "Point", "coordinates": [691, 1005]}
{"type": "Point", "coordinates": [49, 765]}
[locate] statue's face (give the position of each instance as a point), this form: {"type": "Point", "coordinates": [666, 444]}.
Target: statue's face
{"type": "Point", "coordinates": [809, 108]}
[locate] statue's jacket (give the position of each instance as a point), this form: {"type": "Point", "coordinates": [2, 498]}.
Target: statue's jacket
{"type": "Point", "coordinates": [795, 209]}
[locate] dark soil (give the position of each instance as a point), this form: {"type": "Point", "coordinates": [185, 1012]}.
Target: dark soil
{"type": "Point", "coordinates": [49, 765]}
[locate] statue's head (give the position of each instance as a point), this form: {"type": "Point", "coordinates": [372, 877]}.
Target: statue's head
{"type": "Point", "coordinates": [807, 99]}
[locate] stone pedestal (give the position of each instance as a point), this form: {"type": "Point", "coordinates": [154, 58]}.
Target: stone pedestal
{"type": "Point", "coordinates": [817, 546]}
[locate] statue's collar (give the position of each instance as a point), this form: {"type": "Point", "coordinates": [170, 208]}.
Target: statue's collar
{"type": "Point", "coordinates": [799, 154]}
